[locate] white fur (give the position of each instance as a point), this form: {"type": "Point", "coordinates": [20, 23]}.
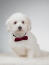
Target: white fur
{"type": "Point", "coordinates": [28, 48]}
{"type": "Point", "coordinates": [11, 60]}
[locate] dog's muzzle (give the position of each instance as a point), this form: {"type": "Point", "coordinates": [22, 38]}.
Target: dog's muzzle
{"type": "Point", "coordinates": [20, 28]}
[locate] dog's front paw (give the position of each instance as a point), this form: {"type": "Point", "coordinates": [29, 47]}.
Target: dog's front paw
{"type": "Point", "coordinates": [20, 51]}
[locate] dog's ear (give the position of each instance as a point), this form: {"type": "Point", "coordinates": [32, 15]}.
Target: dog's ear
{"type": "Point", "coordinates": [7, 25]}
{"type": "Point", "coordinates": [29, 24]}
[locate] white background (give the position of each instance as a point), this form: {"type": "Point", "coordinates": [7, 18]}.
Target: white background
{"type": "Point", "coordinates": [38, 12]}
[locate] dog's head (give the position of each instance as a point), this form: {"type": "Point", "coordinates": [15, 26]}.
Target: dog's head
{"type": "Point", "coordinates": [18, 24]}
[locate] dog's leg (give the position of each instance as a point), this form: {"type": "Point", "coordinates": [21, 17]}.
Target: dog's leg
{"type": "Point", "coordinates": [20, 51]}
{"type": "Point", "coordinates": [44, 53]}
{"type": "Point", "coordinates": [31, 54]}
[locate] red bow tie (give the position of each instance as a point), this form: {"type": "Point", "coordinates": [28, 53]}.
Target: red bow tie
{"type": "Point", "coordinates": [22, 38]}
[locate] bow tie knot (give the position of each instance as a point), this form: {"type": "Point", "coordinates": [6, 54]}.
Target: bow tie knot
{"type": "Point", "coordinates": [22, 38]}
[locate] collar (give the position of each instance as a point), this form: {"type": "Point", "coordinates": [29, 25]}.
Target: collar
{"type": "Point", "coordinates": [16, 39]}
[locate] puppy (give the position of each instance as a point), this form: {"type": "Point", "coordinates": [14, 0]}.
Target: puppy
{"type": "Point", "coordinates": [22, 41]}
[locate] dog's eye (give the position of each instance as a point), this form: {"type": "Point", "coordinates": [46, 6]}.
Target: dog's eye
{"type": "Point", "coordinates": [23, 22]}
{"type": "Point", "coordinates": [15, 22]}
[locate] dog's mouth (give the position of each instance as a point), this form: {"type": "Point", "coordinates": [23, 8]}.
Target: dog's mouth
{"type": "Point", "coordinates": [19, 31]}
{"type": "Point", "coordinates": [19, 35]}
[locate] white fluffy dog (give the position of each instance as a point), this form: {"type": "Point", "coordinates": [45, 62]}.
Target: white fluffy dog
{"type": "Point", "coordinates": [22, 41]}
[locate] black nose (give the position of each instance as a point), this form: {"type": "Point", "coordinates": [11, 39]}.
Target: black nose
{"type": "Point", "coordinates": [19, 27]}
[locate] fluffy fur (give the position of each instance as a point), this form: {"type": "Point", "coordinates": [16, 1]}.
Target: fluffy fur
{"type": "Point", "coordinates": [25, 48]}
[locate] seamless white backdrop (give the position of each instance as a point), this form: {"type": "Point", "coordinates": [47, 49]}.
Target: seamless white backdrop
{"type": "Point", "coordinates": [38, 12]}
